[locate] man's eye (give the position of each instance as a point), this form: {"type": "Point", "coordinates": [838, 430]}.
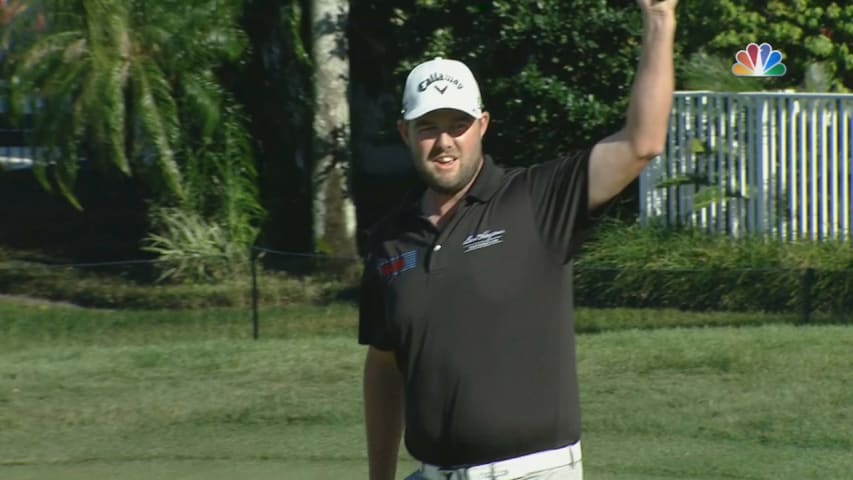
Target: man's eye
{"type": "Point", "coordinates": [460, 127]}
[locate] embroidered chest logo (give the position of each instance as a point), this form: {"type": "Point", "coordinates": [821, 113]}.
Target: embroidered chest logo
{"type": "Point", "coordinates": [483, 240]}
{"type": "Point", "coordinates": [399, 264]}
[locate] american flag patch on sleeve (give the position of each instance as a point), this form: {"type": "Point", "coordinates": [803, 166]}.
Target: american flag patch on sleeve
{"type": "Point", "coordinates": [397, 265]}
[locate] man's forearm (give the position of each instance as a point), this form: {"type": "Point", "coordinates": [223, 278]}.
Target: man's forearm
{"type": "Point", "coordinates": [651, 95]}
{"type": "Point", "coordinates": [383, 414]}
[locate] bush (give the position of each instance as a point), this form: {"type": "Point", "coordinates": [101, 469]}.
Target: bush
{"type": "Point", "coordinates": [544, 69]}
{"type": "Point", "coordinates": [132, 288]}
{"type": "Point", "coordinates": [807, 32]}
{"type": "Point", "coordinates": [192, 249]}
{"type": "Point", "coordinates": [635, 266]}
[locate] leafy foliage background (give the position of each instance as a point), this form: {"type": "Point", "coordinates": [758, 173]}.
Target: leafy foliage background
{"type": "Point", "coordinates": [226, 123]}
{"type": "Point", "coordinates": [556, 74]}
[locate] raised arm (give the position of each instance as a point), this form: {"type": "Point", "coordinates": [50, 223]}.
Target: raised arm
{"type": "Point", "coordinates": [618, 159]}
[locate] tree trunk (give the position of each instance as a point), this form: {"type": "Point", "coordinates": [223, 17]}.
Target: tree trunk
{"type": "Point", "coordinates": [333, 208]}
{"type": "Point", "coordinates": [275, 88]}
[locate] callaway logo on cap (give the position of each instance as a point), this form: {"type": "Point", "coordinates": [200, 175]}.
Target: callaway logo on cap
{"type": "Point", "coordinates": [441, 83]}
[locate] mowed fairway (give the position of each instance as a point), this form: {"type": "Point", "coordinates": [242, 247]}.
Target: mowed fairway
{"type": "Point", "coordinates": [189, 395]}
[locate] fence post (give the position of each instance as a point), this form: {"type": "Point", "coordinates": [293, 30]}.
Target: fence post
{"type": "Point", "coordinates": [254, 259]}
{"type": "Point", "coordinates": [806, 295]}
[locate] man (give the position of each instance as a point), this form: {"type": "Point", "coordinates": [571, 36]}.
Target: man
{"type": "Point", "coordinates": [466, 297]}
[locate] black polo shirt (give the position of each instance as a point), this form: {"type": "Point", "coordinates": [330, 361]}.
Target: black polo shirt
{"type": "Point", "coordinates": [479, 313]}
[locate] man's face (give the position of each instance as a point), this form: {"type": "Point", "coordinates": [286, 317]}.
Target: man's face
{"type": "Point", "coordinates": [446, 148]}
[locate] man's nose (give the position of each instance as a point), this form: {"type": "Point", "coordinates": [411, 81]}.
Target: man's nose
{"type": "Point", "coordinates": [444, 140]}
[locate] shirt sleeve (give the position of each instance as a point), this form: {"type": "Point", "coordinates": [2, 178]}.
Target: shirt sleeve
{"type": "Point", "coordinates": [372, 321]}
{"type": "Point", "coordinates": [559, 191]}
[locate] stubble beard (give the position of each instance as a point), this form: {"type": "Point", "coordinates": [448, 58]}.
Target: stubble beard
{"type": "Point", "coordinates": [449, 185]}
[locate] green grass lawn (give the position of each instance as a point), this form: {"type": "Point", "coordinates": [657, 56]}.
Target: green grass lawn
{"type": "Point", "coordinates": [189, 395]}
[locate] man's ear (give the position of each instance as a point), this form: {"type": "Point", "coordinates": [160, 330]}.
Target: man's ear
{"type": "Point", "coordinates": [484, 123]}
{"type": "Point", "coordinates": [403, 128]}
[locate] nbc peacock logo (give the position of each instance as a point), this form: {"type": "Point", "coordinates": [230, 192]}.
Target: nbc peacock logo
{"type": "Point", "coordinates": [759, 61]}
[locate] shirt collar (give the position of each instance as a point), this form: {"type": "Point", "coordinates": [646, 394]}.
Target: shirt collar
{"type": "Point", "coordinates": [487, 182]}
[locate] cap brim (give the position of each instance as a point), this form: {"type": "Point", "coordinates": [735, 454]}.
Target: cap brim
{"type": "Point", "coordinates": [420, 112]}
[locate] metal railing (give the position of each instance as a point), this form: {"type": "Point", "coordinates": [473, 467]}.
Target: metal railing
{"type": "Point", "coordinates": [778, 164]}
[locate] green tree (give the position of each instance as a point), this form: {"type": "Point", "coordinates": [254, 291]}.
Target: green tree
{"type": "Point", "coordinates": [115, 79]}
{"type": "Point", "coordinates": [274, 85]}
{"type": "Point", "coordinates": [545, 68]}
{"type": "Point", "coordinates": [295, 88]}
{"type": "Point", "coordinates": [134, 86]}
{"type": "Point", "coordinates": [813, 35]}
{"type": "Point", "coordinates": [555, 74]}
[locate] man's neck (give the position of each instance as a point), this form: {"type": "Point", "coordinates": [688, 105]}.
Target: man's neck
{"type": "Point", "coordinates": [439, 207]}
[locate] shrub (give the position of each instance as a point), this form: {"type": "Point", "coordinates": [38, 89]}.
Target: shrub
{"type": "Point", "coordinates": [207, 236]}
{"type": "Point", "coordinates": [128, 288]}
{"type": "Point", "coordinates": [543, 68]}
{"type": "Point", "coordinates": [193, 249]}
{"type": "Point", "coordinates": [635, 266]}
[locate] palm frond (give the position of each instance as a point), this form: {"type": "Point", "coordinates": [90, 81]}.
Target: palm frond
{"type": "Point", "coordinates": [213, 35]}
{"type": "Point", "coordinates": [294, 22]}
{"type": "Point", "coordinates": [46, 47]}
{"type": "Point", "coordinates": [75, 50]}
{"type": "Point", "coordinates": [66, 176]}
{"type": "Point", "coordinates": [20, 102]}
{"type": "Point", "coordinates": [228, 43]}
{"type": "Point", "coordinates": [87, 102]}
{"type": "Point", "coordinates": [63, 14]}
{"type": "Point", "coordinates": [158, 115]}
{"type": "Point", "coordinates": [113, 88]}
{"type": "Point", "coordinates": [204, 95]}
{"type": "Point", "coordinates": [162, 94]}
{"type": "Point", "coordinates": [134, 82]}
{"type": "Point", "coordinates": [106, 22]}
{"type": "Point", "coordinates": [219, 42]}
{"type": "Point", "coordinates": [50, 132]}
{"type": "Point", "coordinates": [40, 164]}
{"type": "Point", "coordinates": [65, 81]}
{"type": "Point", "coordinates": [57, 148]}
{"type": "Point", "coordinates": [241, 210]}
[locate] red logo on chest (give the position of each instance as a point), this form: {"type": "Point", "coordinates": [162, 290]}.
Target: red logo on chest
{"type": "Point", "coordinates": [397, 265]}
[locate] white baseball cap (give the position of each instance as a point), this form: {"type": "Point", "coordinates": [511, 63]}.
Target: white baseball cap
{"type": "Point", "coordinates": [441, 83]}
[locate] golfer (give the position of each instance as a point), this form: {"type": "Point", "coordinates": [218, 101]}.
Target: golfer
{"type": "Point", "coordinates": [466, 299]}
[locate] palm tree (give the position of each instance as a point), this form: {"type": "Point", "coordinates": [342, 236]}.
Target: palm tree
{"type": "Point", "coordinates": [123, 82]}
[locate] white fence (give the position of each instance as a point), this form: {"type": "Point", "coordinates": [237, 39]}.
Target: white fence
{"type": "Point", "coordinates": [778, 164]}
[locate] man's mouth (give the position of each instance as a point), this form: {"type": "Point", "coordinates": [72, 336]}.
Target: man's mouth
{"type": "Point", "coordinates": [444, 160]}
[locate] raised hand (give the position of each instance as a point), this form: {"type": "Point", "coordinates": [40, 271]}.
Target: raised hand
{"type": "Point", "coordinates": [657, 7]}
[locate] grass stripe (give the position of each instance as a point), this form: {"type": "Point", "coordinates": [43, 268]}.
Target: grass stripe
{"type": "Point", "coordinates": [128, 395]}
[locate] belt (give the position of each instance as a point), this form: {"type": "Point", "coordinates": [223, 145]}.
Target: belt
{"type": "Point", "coordinates": [508, 469]}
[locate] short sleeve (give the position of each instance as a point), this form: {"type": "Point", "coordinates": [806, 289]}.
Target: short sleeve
{"type": "Point", "coordinates": [372, 322]}
{"type": "Point", "coordinates": [559, 191]}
